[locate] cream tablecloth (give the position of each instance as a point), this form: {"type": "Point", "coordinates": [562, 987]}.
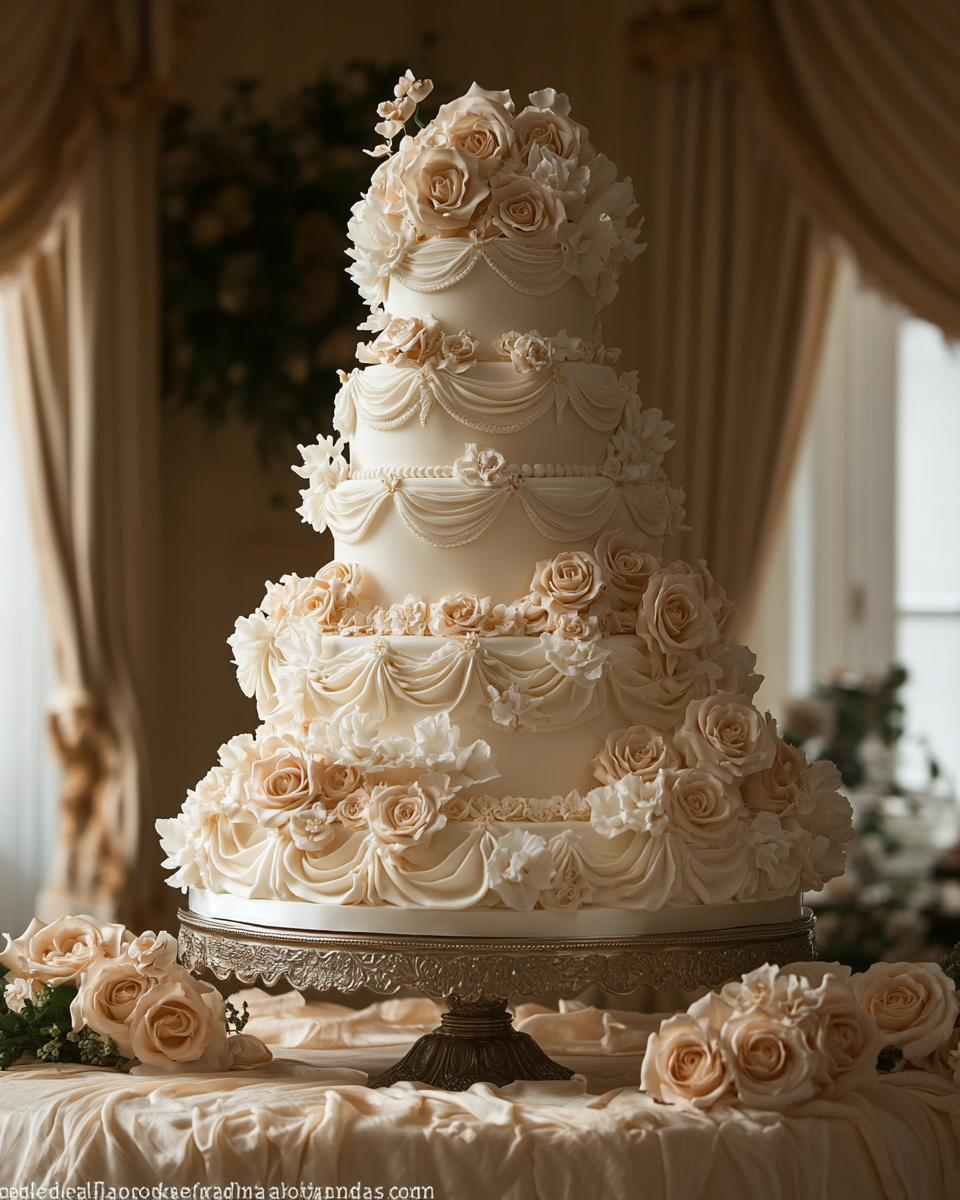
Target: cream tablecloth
{"type": "Point", "coordinates": [307, 1122]}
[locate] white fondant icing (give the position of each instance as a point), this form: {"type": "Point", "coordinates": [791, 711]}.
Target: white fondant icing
{"type": "Point", "coordinates": [494, 923]}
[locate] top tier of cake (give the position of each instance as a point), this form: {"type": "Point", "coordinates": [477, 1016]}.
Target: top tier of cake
{"type": "Point", "coordinates": [489, 429]}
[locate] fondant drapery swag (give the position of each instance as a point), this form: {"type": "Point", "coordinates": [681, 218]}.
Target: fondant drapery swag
{"type": "Point", "coordinates": [81, 83]}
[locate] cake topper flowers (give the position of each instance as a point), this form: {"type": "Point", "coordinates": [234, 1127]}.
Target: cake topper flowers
{"type": "Point", "coordinates": [528, 182]}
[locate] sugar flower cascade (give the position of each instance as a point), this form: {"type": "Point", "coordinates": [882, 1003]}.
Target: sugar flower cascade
{"type": "Point", "coordinates": [502, 697]}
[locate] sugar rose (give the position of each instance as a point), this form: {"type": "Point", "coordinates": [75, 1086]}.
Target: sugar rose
{"type": "Point", "coordinates": [845, 1037]}
{"type": "Point", "coordinates": [479, 126]}
{"type": "Point", "coordinates": [914, 1004]}
{"type": "Point", "coordinates": [637, 750]}
{"type": "Point", "coordinates": [108, 994]}
{"type": "Point", "coordinates": [405, 342]}
{"type": "Point", "coordinates": [442, 189]}
{"type": "Point", "coordinates": [179, 1026]}
{"type": "Point", "coordinates": [337, 782]}
{"type": "Point", "coordinates": [724, 734]}
{"type": "Point", "coordinates": [569, 583]}
{"type": "Point", "coordinates": [701, 808]}
{"type": "Point", "coordinates": [778, 788]}
{"type": "Point", "coordinates": [153, 953]}
{"type": "Point", "coordinates": [772, 1065]}
{"type": "Point", "coordinates": [521, 209]}
{"type": "Point", "coordinates": [683, 1064]}
{"type": "Point", "coordinates": [627, 565]}
{"type": "Point", "coordinates": [547, 129]}
{"type": "Point", "coordinates": [402, 816]}
{"type": "Point", "coordinates": [282, 779]}
{"type": "Point", "coordinates": [57, 953]}
{"type": "Point", "coordinates": [466, 613]}
{"type": "Point", "coordinates": [677, 617]}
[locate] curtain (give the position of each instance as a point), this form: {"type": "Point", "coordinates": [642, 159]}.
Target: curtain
{"type": "Point", "coordinates": [82, 88]}
{"type": "Point", "coordinates": [777, 127]}
{"type": "Point", "coordinates": [860, 101]}
{"type": "Point", "coordinates": [741, 284]}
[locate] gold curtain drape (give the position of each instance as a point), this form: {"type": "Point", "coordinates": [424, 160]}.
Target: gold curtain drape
{"type": "Point", "coordinates": [778, 126]}
{"type": "Point", "coordinates": [82, 85]}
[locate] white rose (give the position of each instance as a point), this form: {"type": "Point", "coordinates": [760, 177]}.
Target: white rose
{"type": "Point", "coordinates": [402, 816]}
{"type": "Point", "coordinates": [520, 868]}
{"type": "Point", "coordinates": [528, 352]}
{"type": "Point", "coordinates": [726, 735]}
{"type": "Point", "coordinates": [637, 750]}
{"type": "Point", "coordinates": [109, 992]}
{"type": "Point", "coordinates": [699, 806]}
{"type": "Point", "coordinates": [441, 189]}
{"type": "Point", "coordinates": [569, 583]}
{"type": "Point", "coordinates": [845, 1037]}
{"type": "Point", "coordinates": [458, 351]}
{"type": "Point", "coordinates": [338, 781]}
{"type": "Point", "coordinates": [180, 1026]}
{"type": "Point", "coordinates": [677, 616]}
{"type": "Point", "coordinates": [152, 953]}
{"type": "Point", "coordinates": [683, 1064]}
{"type": "Point", "coordinates": [772, 1065]}
{"type": "Point", "coordinates": [627, 565]}
{"type": "Point", "coordinates": [479, 126]}
{"type": "Point", "coordinates": [405, 342]}
{"type": "Point", "coordinates": [480, 468]}
{"type": "Point", "coordinates": [548, 129]}
{"type": "Point", "coordinates": [57, 953]}
{"type": "Point", "coordinates": [409, 618]}
{"type": "Point", "coordinates": [524, 211]}
{"type": "Point", "coordinates": [465, 613]}
{"type": "Point", "coordinates": [914, 1004]}
{"type": "Point", "coordinates": [352, 811]}
{"type": "Point", "coordinates": [282, 779]}
{"type": "Point", "coordinates": [779, 787]}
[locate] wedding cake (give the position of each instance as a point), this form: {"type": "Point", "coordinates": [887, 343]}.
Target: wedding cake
{"type": "Point", "coordinates": [501, 711]}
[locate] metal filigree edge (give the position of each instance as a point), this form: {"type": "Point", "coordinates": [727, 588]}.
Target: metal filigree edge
{"type": "Point", "coordinates": [491, 973]}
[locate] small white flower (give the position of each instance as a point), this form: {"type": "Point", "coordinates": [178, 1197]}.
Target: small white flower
{"type": "Point", "coordinates": [520, 868]}
{"type": "Point", "coordinates": [513, 708]}
{"type": "Point", "coordinates": [481, 468]}
{"type": "Point", "coordinates": [630, 803]}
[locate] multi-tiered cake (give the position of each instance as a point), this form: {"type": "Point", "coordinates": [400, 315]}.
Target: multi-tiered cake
{"type": "Point", "coordinates": [500, 711]}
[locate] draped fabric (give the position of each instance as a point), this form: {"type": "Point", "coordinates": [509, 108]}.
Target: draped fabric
{"type": "Point", "coordinates": [861, 104]}
{"type": "Point", "coordinates": [81, 88]}
{"type": "Point", "coordinates": [741, 283]}
{"type": "Point", "coordinates": [778, 126]}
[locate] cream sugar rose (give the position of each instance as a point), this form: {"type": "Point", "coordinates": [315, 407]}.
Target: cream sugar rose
{"type": "Point", "coordinates": [501, 710]}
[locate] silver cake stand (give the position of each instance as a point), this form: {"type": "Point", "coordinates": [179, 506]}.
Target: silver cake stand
{"type": "Point", "coordinates": [476, 1041]}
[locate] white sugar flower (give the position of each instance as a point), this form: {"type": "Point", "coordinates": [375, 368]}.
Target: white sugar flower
{"type": "Point", "coordinates": [325, 467]}
{"type": "Point", "coordinates": [481, 468]}
{"type": "Point", "coordinates": [416, 89]}
{"type": "Point", "coordinates": [513, 708]}
{"type": "Point", "coordinates": [630, 803]}
{"type": "Point", "coordinates": [520, 868]}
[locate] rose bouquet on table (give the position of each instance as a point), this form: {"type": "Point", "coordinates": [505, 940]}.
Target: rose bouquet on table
{"type": "Point", "coordinates": [783, 1035]}
{"type": "Point", "coordinates": [83, 990]}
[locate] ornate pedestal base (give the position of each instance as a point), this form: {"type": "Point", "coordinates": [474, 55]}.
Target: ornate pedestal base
{"type": "Point", "coordinates": [476, 1040]}
{"type": "Point", "coordinates": [476, 1043]}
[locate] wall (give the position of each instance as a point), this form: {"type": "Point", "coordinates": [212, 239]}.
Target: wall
{"type": "Point", "coordinates": [227, 526]}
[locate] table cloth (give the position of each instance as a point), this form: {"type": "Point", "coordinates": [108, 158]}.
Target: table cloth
{"type": "Point", "coordinates": [307, 1126]}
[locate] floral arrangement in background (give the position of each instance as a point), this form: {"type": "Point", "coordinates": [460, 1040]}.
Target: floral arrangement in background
{"type": "Point", "coordinates": [886, 904]}
{"type": "Point", "coordinates": [84, 990]}
{"type": "Point", "coordinates": [258, 310]}
{"type": "Point", "coordinates": [781, 1036]}
{"type": "Point", "coordinates": [483, 172]}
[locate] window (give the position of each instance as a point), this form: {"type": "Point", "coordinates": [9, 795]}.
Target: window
{"type": "Point", "coordinates": [29, 780]}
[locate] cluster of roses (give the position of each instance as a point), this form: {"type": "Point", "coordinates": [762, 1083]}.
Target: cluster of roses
{"type": "Point", "coordinates": [341, 774]}
{"type": "Point", "coordinates": [480, 170]}
{"type": "Point", "coordinates": [420, 342]}
{"type": "Point", "coordinates": [677, 610]}
{"type": "Point", "coordinates": [781, 1036]}
{"type": "Point", "coordinates": [130, 998]}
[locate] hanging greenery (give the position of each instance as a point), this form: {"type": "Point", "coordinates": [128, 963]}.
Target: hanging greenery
{"type": "Point", "coordinates": [258, 310]}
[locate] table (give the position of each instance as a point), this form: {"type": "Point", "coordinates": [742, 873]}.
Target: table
{"type": "Point", "coordinates": [307, 1122]}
